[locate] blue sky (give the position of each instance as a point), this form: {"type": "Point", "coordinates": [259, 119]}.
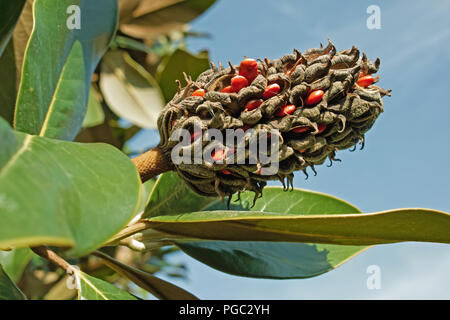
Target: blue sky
{"type": "Point", "coordinates": [405, 160]}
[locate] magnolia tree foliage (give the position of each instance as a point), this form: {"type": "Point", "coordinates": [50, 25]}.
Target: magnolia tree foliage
{"type": "Point", "coordinates": [81, 219]}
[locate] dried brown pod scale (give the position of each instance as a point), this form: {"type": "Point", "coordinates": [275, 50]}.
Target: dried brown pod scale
{"type": "Point", "coordinates": [339, 121]}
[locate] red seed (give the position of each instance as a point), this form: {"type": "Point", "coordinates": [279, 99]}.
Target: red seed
{"type": "Point", "coordinates": [321, 127]}
{"type": "Point", "coordinates": [238, 82]}
{"type": "Point", "coordinates": [249, 64]}
{"type": "Point", "coordinates": [227, 89]}
{"type": "Point", "coordinates": [285, 110]}
{"type": "Point", "coordinates": [199, 93]}
{"type": "Point", "coordinates": [225, 171]}
{"type": "Point", "coordinates": [195, 135]}
{"type": "Point", "coordinates": [245, 127]}
{"type": "Point", "coordinates": [314, 97]}
{"type": "Point", "coordinates": [300, 129]}
{"type": "Point", "coordinates": [365, 81]}
{"type": "Point", "coordinates": [302, 151]}
{"type": "Point", "coordinates": [217, 155]}
{"type": "Point", "coordinates": [271, 90]}
{"type": "Point", "coordinates": [253, 104]}
{"type": "Point", "coordinates": [248, 69]}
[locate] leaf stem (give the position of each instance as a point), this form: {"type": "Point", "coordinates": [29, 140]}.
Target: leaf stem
{"type": "Point", "coordinates": [51, 256]}
{"type": "Point", "coordinates": [128, 231]}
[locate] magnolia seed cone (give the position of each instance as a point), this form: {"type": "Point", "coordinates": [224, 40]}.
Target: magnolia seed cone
{"type": "Point", "coordinates": [307, 137]}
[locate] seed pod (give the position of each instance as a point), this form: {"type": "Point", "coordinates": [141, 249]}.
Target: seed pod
{"type": "Point", "coordinates": [317, 71]}
{"type": "Point", "coordinates": [312, 99]}
{"type": "Point", "coordinates": [346, 59]}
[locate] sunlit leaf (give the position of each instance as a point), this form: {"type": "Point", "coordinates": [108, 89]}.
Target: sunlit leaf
{"type": "Point", "coordinates": [94, 114]}
{"type": "Point", "coordinates": [147, 188]}
{"type": "Point", "coordinates": [95, 289]}
{"type": "Point", "coordinates": [307, 224]}
{"type": "Point", "coordinates": [14, 262]}
{"type": "Point", "coordinates": [253, 259]}
{"type": "Point", "coordinates": [53, 94]}
{"type": "Point", "coordinates": [129, 90]}
{"type": "Point", "coordinates": [170, 195]}
{"type": "Point", "coordinates": [63, 193]}
{"type": "Point", "coordinates": [279, 260]}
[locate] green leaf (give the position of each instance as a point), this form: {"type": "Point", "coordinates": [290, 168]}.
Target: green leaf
{"type": "Point", "coordinates": [15, 261]}
{"type": "Point", "coordinates": [21, 35]}
{"type": "Point", "coordinates": [253, 259]}
{"type": "Point", "coordinates": [147, 188]}
{"type": "Point", "coordinates": [8, 289]}
{"type": "Point", "coordinates": [53, 94]}
{"type": "Point", "coordinates": [11, 62]}
{"type": "Point", "coordinates": [273, 260]}
{"type": "Point", "coordinates": [63, 193]}
{"type": "Point", "coordinates": [8, 84]}
{"type": "Point", "coordinates": [172, 69]}
{"type": "Point", "coordinates": [129, 43]}
{"type": "Point", "coordinates": [9, 13]}
{"type": "Point", "coordinates": [129, 90]}
{"type": "Point", "coordinates": [94, 114]}
{"type": "Point", "coordinates": [91, 288]}
{"type": "Point", "coordinates": [307, 224]}
{"type": "Point", "coordinates": [151, 18]}
{"type": "Point", "coordinates": [279, 260]}
{"type": "Point", "coordinates": [158, 287]}
{"type": "Point", "coordinates": [170, 195]}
